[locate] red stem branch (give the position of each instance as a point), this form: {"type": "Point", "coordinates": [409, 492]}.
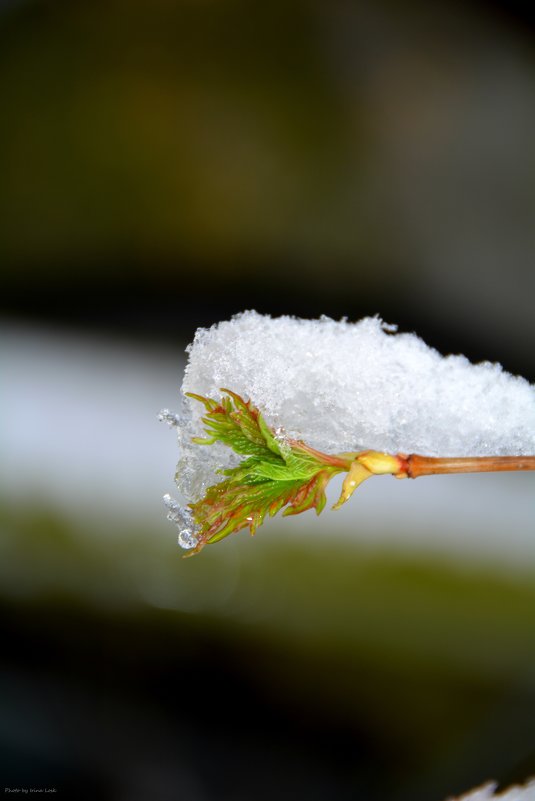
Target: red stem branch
{"type": "Point", "coordinates": [416, 465]}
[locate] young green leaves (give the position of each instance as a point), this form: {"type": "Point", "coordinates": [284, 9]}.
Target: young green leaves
{"type": "Point", "coordinates": [275, 473]}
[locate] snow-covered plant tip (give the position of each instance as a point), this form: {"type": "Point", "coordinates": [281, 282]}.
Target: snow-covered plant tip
{"type": "Point", "coordinates": [308, 400]}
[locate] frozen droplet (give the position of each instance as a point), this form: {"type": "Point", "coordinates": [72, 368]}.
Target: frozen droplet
{"type": "Point", "coordinates": [187, 539]}
{"type": "Point", "coordinates": [171, 418]}
{"type": "Point", "coordinates": [182, 518]}
{"type": "Point", "coordinates": [174, 510]}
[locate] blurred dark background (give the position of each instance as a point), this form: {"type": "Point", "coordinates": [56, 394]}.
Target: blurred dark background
{"type": "Point", "coordinates": [163, 166]}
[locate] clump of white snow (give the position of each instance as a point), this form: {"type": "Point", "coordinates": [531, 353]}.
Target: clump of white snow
{"type": "Point", "coordinates": [487, 793]}
{"type": "Point", "coordinates": [343, 386]}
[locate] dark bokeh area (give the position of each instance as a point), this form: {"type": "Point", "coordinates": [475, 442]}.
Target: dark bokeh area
{"type": "Point", "coordinates": [166, 165]}
{"type": "Point", "coordinates": [344, 158]}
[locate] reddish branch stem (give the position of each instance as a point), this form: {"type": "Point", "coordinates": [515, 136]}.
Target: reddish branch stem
{"type": "Point", "coordinates": [415, 465]}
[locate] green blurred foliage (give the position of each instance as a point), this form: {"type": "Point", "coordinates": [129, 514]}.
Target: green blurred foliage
{"type": "Point", "coordinates": [433, 664]}
{"type": "Point", "coordinates": [422, 616]}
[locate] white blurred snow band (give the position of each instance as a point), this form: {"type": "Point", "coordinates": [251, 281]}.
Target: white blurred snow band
{"type": "Point", "coordinates": [79, 434]}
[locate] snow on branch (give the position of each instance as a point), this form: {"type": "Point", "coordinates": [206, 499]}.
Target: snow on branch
{"type": "Point", "coordinates": [340, 389]}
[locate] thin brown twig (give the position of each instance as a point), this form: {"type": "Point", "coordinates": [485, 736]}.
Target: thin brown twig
{"type": "Point", "coordinates": [416, 465]}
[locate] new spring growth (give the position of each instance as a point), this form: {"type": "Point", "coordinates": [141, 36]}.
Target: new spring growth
{"type": "Point", "coordinates": [278, 473]}
{"type": "Point", "coordinates": [333, 387]}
